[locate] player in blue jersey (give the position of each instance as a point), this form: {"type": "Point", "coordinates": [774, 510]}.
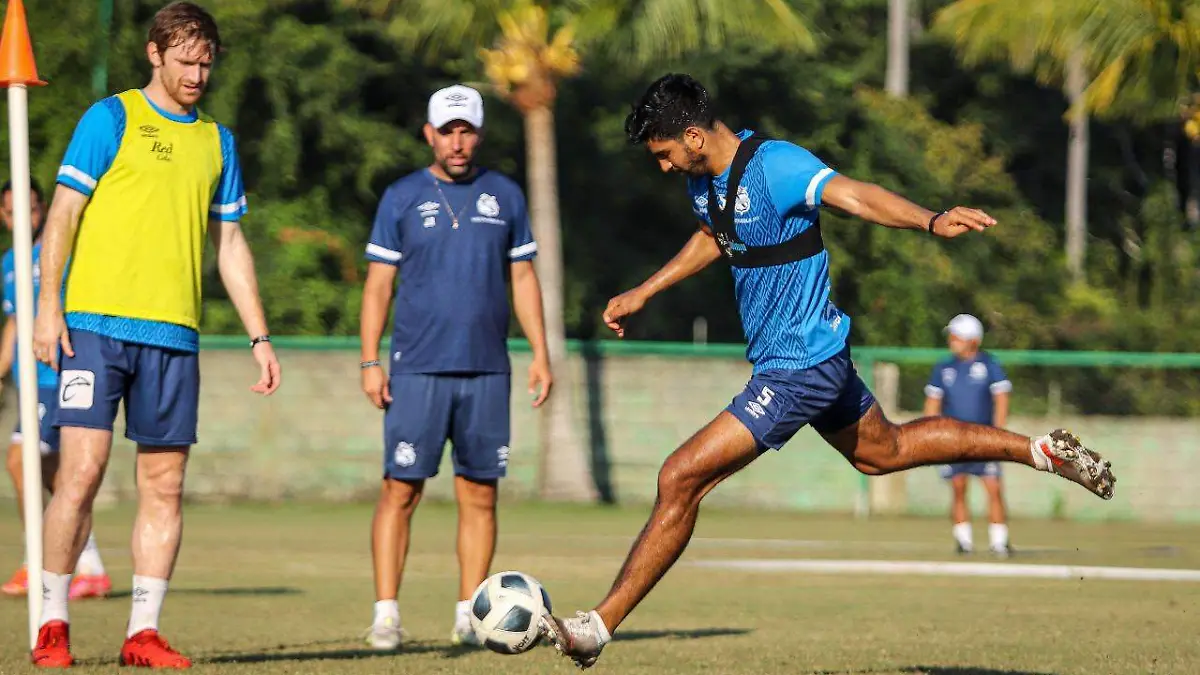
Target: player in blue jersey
{"type": "Point", "coordinates": [796, 336]}
{"type": "Point", "coordinates": [454, 233]}
{"type": "Point", "coordinates": [972, 387]}
{"type": "Point", "coordinates": [91, 579]}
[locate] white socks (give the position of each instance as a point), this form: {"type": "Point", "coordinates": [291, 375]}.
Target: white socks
{"type": "Point", "coordinates": [1040, 461]}
{"type": "Point", "coordinates": [89, 561]}
{"type": "Point", "coordinates": [962, 534]}
{"type": "Point", "coordinates": [148, 595]}
{"type": "Point", "coordinates": [462, 615]}
{"type": "Point", "coordinates": [55, 588]}
{"type": "Point", "coordinates": [384, 610]}
{"type": "Point", "coordinates": [998, 536]}
{"type": "Point", "coordinates": [601, 629]}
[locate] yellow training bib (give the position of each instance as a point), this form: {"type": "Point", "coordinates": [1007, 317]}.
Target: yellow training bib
{"type": "Point", "coordinates": [140, 244]}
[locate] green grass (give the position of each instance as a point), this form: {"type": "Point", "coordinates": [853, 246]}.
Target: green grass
{"type": "Point", "coordinates": [288, 590]}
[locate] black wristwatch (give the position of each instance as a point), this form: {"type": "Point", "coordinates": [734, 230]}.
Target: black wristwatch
{"type": "Point", "coordinates": [935, 217]}
{"type": "Point", "coordinates": [261, 338]}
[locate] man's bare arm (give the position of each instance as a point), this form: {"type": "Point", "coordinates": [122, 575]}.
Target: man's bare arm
{"type": "Point", "coordinates": [58, 236]}
{"type": "Point", "coordinates": [884, 207]}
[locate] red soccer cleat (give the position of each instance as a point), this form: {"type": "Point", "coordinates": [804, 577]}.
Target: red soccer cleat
{"type": "Point", "coordinates": [53, 648]}
{"type": "Point", "coordinates": [90, 586]}
{"type": "Point", "coordinates": [18, 584]}
{"type": "Point", "coordinates": [148, 649]}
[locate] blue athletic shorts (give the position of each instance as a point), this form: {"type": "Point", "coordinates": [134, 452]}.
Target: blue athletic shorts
{"type": "Point", "coordinates": [160, 388]}
{"type": "Point", "coordinates": [472, 411]}
{"type": "Point", "coordinates": [48, 435]}
{"type": "Point", "coordinates": [981, 469]}
{"type": "Point", "coordinates": [778, 403]}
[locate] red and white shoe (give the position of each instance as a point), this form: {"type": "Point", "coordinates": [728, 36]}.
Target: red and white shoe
{"type": "Point", "coordinates": [148, 649]}
{"type": "Point", "coordinates": [1061, 452]}
{"type": "Point", "coordinates": [90, 586]}
{"type": "Point", "coordinates": [18, 584]}
{"type": "Point", "coordinates": [53, 648]}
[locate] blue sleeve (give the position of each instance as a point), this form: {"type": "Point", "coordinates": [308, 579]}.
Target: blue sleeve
{"type": "Point", "coordinates": [384, 245]}
{"type": "Point", "coordinates": [10, 284]}
{"type": "Point", "coordinates": [999, 383]}
{"type": "Point", "coordinates": [521, 246]}
{"type": "Point", "coordinates": [93, 146]}
{"type": "Point", "coordinates": [934, 387]}
{"type": "Point", "coordinates": [229, 201]}
{"type": "Point", "coordinates": [796, 179]}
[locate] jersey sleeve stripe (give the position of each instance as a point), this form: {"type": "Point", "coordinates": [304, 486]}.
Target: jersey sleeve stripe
{"type": "Point", "coordinates": [934, 392]}
{"type": "Point", "coordinates": [225, 209]}
{"type": "Point", "coordinates": [1001, 387]}
{"type": "Point", "coordinates": [382, 253]}
{"type": "Point", "coordinates": [523, 250]}
{"type": "Point", "coordinates": [810, 195]}
{"type": "Point", "coordinates": [77, 176]}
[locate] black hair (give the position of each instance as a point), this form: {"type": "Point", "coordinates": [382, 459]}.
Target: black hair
{"type": "Point", "coordinates": [670, 105]}
{"type": "Point", "coordinates": [37, 189]}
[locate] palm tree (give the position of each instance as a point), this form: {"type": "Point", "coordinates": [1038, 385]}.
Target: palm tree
{"type": "Point", "coordinates": [529, 47]}
{"type": "Point", "coordinates": [1129, 59]}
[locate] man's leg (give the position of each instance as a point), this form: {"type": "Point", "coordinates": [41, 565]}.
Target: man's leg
{"type": "Point", "coordinates": [390, 529]}
{"type": "Point", "coordinates": [18, 584]}
{"type": "Point", "coordinates": [959, 514]}
{"type": "Point", "coordinates": [414, 431]}
{"type": "Point", "coordinates": [157, 531]}
{"type": "Point", "coordinates": [480, 436]}
{"type": "Point", "coordinates": [876, 446]}
{"type": "Point", "coordinates": [997, 515]}
{"type": "Point", "coordinates": [714, 453]}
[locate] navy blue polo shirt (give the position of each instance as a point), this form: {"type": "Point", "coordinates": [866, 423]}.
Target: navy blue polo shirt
{"type": "Point", "coordinates": [966, 387]}
{"type": "Point", "coordinates": [452, 310]}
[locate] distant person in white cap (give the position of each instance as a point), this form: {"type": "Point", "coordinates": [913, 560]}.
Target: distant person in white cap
{"type": "Point", "coordinates": [455, 233]}
{"type": "Point", "coordinates": [972, 387]}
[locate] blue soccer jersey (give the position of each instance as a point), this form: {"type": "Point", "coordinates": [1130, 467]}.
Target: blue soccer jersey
{"type": "Point", "coordinates": [453, 243]}
{"type": "Point", "coordinates": [46, 377]}
{"type": "Point", "coordinates": [787, 315]}
{"type": "Point", "coordinates": [966, 387]}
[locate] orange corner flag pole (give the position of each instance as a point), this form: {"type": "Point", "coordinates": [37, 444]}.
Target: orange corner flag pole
{"type": "Point", "coordinates": [16, 49]}
{"type": "Point", "coordinates": [18, 72]}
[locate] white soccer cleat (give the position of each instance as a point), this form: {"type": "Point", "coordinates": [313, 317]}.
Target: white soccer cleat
{"type": "Point", "coordinates": [1061, 452]}
{"type": "Point", "coordinates": [386, 635]}
{"type": "Point", "coordinates": [465, 637]}
{"type": "Point", "coordinates": [578, 638]}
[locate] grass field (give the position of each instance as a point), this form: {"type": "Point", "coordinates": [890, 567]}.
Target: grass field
{"type": "Point", "coordinates": [288, 590]}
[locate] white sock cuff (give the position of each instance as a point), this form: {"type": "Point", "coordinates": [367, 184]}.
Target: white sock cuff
{"type": "Point", "coordinates": [150, 583]}
{"type": "Point", "coordinates": [601, 629]}
{"type": "Point", "coordinates": [387, 608]}
{"type": "Point", "coordinates": [998, 533]}
{"type": "Point", "coordinates": [1040, 461]}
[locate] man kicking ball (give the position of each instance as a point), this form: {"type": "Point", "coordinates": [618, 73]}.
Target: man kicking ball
{"type": "Point", "coordinates": [770, 234]}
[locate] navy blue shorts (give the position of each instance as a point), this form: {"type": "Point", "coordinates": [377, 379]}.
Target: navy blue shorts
{"type": "Point", "coordinates": [471, 411]}
{"type": "Point", "coordinates": [160, 388]}
{"type": "Point", "coordinates": [981, 469]}
{"type": "Point", "coordinates": [48, 435]}
{"type": "Point", "coordinates": [778, 403]}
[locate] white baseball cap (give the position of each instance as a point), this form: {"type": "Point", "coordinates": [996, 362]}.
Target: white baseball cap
{"type": "Point", "coordinates": [457, 102]}
{"type": "Point", "coordinates": [966, 327]}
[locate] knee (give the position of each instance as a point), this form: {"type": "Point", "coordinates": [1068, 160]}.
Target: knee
{"type": "Point", "coordinates": [477, 498]}
{"type": "Point", "coordinates": [80, 483]}
{"type": "Point", "coordinates": [678, 485]}
{"type": "Point", "coordinates": [882, 454]}
{"type": "Point", "coordinates": [162, 487]}
{"type": "Point", "coordinates": [400, 495]}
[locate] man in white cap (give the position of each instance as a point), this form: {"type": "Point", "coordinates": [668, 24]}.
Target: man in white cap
{"type": "Point", "coordinates": [972, 387]}
{"type": "Point", "coordinates": [455, 232]}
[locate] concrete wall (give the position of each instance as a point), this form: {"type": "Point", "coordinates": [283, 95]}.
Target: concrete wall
{"type": "Point", "coordinates": [319, 439]}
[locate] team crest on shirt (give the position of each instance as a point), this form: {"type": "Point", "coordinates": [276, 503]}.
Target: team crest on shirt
{"type": "Point", "coordinates": [949, 375]}
{"type": "Point", "coordinates": [741, 204]}
{"type": "Point", "coordinates": [978, 371]}
{"type": "Point", "coordinates": [487, 206]}
{"type": "Point", "coordinates": [429, 211]}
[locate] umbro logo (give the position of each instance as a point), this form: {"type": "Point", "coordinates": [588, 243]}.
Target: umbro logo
{"type": "Point", "coordinates": [148, 131]}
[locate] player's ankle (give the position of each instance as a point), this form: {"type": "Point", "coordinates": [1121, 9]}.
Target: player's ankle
{"type": "Point", "coordinates": [385, 610]}
{"type": "Point", "coordinates": [148, 596]}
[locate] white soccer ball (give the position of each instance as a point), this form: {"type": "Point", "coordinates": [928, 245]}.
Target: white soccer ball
{"type": "Point", "coordinates": [505, 610]}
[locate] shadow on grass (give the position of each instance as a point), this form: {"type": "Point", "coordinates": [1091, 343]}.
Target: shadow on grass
{"type": "Point", "coordinates": [311, 652]}
{"type": "Point", "coordinates": [965, 670]}
{"type": "Point", "coordinates": [228, 591]}
{"type": "Point", "coordinates": [633, 635]}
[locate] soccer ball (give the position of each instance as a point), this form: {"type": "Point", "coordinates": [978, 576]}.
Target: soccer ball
{"type": "Point", "coordinates": [505, 610]}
